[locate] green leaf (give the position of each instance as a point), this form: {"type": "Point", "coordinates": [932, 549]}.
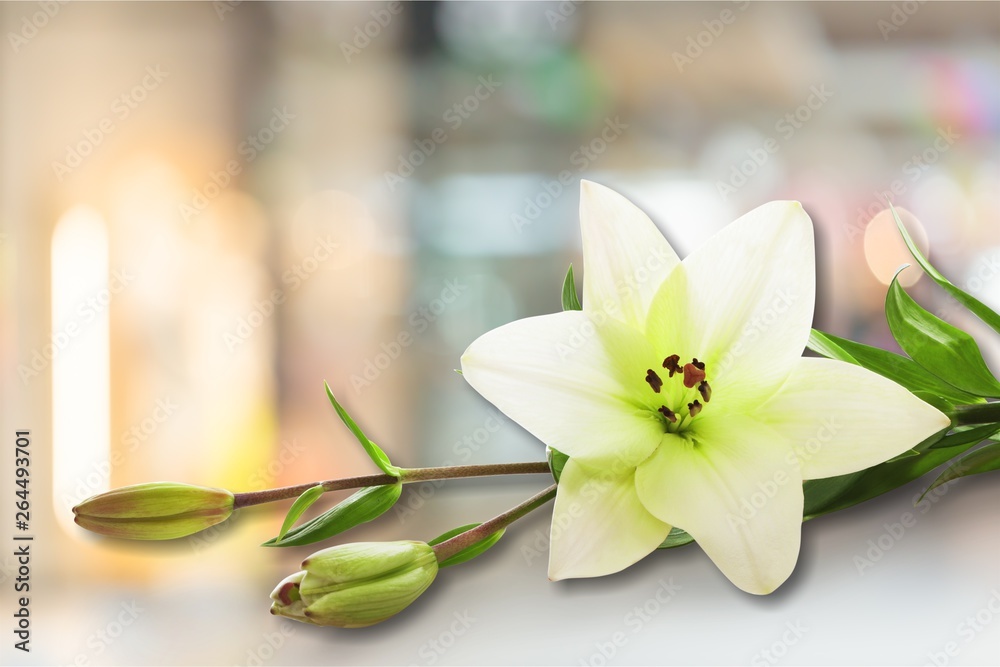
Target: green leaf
{"type": "Point", "coordinates": [361, 507]}
{"type": "Point", "coordinates": [469, 552]}
{"type": "Point", "coordinates": [941, 403]}
{"type": "Point", "coordinates": [676, 538]}
{"type": "Point", "coordinates": [301, 504]}
{"type": "Point", "coordinates": [977, 307]}
{"type": "Point", "coordinates": [984, 459]}
{"type": "Point", "coordinates": [823, 496]}
{"type": "Point", "coordinates": [557, 461]}
{"type": "Point", "coordinates": [969, 436]}
{"type": "Point", "coordinates": [895, 367]}
{"type": "Point", "coordinates": [570, 301]}
{"type": "Point", "coordinates": [905, 455]}
{"type": "Point", "coordinates": [374, 451]}
{"type": "Point", "coordinates": [944, 350]}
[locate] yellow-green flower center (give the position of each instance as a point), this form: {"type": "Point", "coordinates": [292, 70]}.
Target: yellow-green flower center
{"type": "Point", "coordinates": [692, 374]}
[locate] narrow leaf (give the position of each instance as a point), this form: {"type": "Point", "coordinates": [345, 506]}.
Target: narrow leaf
{"type": "Point", "coordinates": [676, 538]}
{"type": "Point", "coordinates": [301, 504]}
{"type": "Point", "coordinates": [447, 535]}
{"type": "Point", "coordinates": [823, 496]}
{"type": "Point", "coordinates": [905, 455]}
{"type": "Point", "coordinates": [895, 367]}
{"type": "Point", "coordinates": [969, 436]}
{"type": "Point", "coordinates": [984, 459]}
{"type": "Point", "coordinates": [361, 507]}
{"type": "Point", "coordinates": [557, 461]}
{"type": "Point", "coordinates": [944, 350]}
{"type": "Point", "coordinates": [470, 551]}
{"type": "Point", "coordinates": [374, 451]}
{"type": "Point", "coordinates": [570, 300]}
{"type": "Point", "coordinates": [977, 307]}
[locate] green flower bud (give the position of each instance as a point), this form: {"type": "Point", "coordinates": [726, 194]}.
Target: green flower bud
{"type": "Point", "coordinates": [356, 585]}
{"type": "Point", "coordinates": [154, 511]}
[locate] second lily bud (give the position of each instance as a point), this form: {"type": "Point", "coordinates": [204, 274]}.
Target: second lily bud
{"type": "Point", "coordinates": [356, 585]}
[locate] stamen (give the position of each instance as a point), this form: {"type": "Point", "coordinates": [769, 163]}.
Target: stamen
{"type": "Point", "coordinates": [668, 413]}
{"type": "Point", "coordinates": [705, 390]}
{"type": "Point", "coordinates": [694, 408]}
{"type": "Point", "coordinates": [700, 365]}
{"type": "Point", "coordinates": [693, 375]}
{"type": "Point", "coordinates": [654, 380]}
{"type": "Point", "coordinates": [670, 363]}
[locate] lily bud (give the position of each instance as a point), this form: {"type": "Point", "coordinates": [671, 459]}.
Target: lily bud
{"type": "Point", "coordinates": [356, 585]}
{"type": "Point", "coordinates": [154, 511]}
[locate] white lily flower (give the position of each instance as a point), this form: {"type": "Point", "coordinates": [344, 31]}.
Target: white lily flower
{"type": "Point", "coordinates": [681, 396]}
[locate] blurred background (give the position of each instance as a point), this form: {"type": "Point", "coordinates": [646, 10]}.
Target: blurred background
{"type": "Point", "coordinates": [208, 209]}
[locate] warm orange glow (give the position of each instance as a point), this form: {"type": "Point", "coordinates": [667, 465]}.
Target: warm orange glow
{"type": "Point", "coordinates": [885, 250]}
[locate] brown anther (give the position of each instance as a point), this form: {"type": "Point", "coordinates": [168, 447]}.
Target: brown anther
{"type": "Point", "coordinates": [705, 391]}
{"type": "Point", "coordinates": [654, 380]}
{"type": "Point", "coordinates": [700, 365]}
{"type": "Point", "coordinates": [693, 375]}
{"type": "Point", "coordinates": [668, 413]}
{"type": "Point", "coordinates": [694, 408]}
{"type": "Point", "coordinates": [672, 365]}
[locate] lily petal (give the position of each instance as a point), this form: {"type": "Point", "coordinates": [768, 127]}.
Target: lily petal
{"type": "Point", "coordinates": [625, 257]}
{"type": "Point", "coordinates": [737, 490]}
{"type": "Point", "coordinates": [745, 302]}
{"type": "Point", "coordinates": [555, 376]}
{"type": "Point", "coordinates": [842, 418]}
{"type": "Point", "coordinates": [599, 526]}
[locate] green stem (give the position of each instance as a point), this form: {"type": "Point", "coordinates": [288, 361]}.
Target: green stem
{"type": "Point", "coordinates": [980, 413]}
{"type": "Point", "coordinates": [449, 548]}
{"type": "Point", "coordinates": [407, 475]}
